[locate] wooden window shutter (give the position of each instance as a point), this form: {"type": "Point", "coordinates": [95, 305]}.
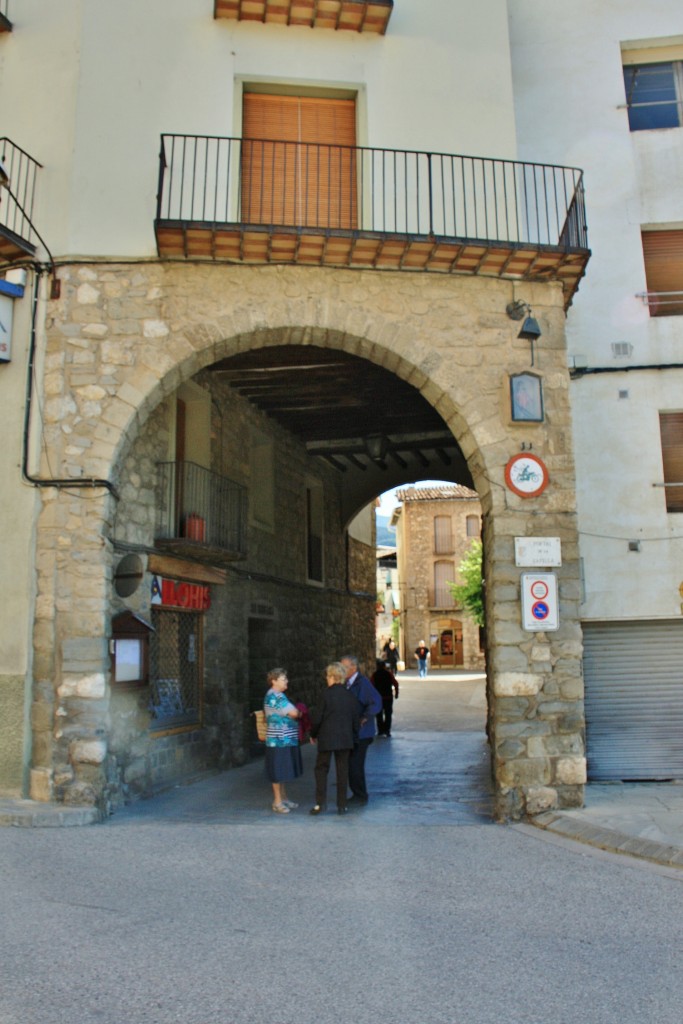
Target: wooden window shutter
{"type": "Point", "coordinates": [671, 429]}
{"type": "Point", "coordinates": [299, 161]}
{"type": "Point", "coordinates": [443, 537]}
{"type": "Point", "coordinates": [663, 251]}
{"type": "Point", "coordinates": [444, 573]}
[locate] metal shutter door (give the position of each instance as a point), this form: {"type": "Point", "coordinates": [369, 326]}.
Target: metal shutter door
{"type": "Point", "coordinates": [634, 700]}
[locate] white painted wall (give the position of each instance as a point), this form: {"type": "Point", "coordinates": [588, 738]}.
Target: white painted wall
{"type": "Point", "coordinates": [569, 105]}
{"type": "Point", "coordinates": [88, 86]}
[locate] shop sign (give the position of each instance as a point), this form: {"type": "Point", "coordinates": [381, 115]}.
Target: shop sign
{"type": "Point", "coordinates": [176, 594]}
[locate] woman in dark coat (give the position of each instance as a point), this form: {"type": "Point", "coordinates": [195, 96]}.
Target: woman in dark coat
{"type": "Point", "coordinates": [334, 727]}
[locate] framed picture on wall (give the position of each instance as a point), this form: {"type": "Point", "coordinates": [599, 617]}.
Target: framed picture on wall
{"type": "Point", "coordinates": [526, 398]}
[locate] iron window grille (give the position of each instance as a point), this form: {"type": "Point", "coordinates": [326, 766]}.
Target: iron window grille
{"type": "Point", "coordinates": [176, 669]}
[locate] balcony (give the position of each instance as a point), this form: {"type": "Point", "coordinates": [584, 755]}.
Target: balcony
{"type": "Point", "coordinates": [16, 202]}
{"type": "Point", "coordinates": [200, 514]}
{"type": "Point", "coordinates": [254, 201]}
{"type": "Point", "coordinates": [353, 15]}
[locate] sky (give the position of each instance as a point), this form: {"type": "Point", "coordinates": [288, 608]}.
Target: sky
{"type": "Point", "coordinates": [388, 500]}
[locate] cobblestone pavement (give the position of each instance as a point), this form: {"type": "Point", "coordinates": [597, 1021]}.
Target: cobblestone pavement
{"type": "Point", "coordinates": [201, 906]}
{"type": "Point", "coordinates": [639, 819]}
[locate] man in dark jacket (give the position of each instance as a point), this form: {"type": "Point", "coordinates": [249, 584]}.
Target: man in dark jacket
{"type": "Point", "coordinates": [369, 705]}
{"type": "Point", "coordinates": [334, 727]}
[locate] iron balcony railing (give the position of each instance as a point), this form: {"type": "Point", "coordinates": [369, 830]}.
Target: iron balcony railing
{"type": "Point", "coordinates": [16, 199]}
{"type": "Point", "coordinates": [201, 507]}
{"type": "Point", "coordinates": [219, 181]}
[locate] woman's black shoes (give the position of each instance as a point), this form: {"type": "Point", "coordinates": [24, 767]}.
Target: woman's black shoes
{"type": "Point", "coordinates": [318, 809]}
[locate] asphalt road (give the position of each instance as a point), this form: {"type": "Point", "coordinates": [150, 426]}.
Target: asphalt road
{"type": "Point", "coordinates": [202, 906]}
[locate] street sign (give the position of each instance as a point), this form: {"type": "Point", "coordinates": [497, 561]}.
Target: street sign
{"type": "Point", "coordinates": [539, 552]}
{"type": "Point", "coordinates": [540, 612]}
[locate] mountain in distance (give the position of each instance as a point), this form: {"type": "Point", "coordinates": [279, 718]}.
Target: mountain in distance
{"type": "Point", "coordinates": [386, 535]}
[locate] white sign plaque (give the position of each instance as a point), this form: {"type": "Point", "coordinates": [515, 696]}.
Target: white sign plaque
{"type": "Point", "coordinates": [540, 611]}
{"type": "Point", "coordinates": [541, 551]}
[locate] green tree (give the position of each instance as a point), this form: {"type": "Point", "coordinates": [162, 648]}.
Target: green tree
{"type": "Point", "coordinates": [470, 593]}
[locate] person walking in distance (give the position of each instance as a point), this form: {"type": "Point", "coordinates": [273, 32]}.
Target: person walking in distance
{"type": "Point", "coordinates": [369, 705]}
{"type": "Point", "coordinates": [390, 652]}
{"type": "Point", "coordinates": [386, 684]}
{"type": "Point", "coordinates": [422, 655]}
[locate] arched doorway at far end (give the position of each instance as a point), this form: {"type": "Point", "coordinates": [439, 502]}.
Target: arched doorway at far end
{"type": "Point", "coordinates": [446, 643]}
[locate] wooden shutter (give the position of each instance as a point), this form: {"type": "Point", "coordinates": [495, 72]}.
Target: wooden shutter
{"type": "Point", "coordinates": [443, 537]}
{"type": "Point", "coordinates": [663, 251]}
{"type": "Point", "coordinates": [671, 429]}
{"type": "Point", "coordinates": [444, 573]}
{"type": "Point", "coordinates": [298, 161]}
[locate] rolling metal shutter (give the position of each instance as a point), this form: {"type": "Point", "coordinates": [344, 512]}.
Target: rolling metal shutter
{"type": "Point", "coordinates": [633, 675]}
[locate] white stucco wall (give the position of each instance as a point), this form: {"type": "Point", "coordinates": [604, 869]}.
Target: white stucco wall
{"type": "Point", "coordinates": [88, 88]}
{"type": "Point", "coordinates": [570, 109]}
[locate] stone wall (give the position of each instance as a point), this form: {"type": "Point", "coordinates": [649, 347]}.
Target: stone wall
{"type": "Point", "coordinates": [122, 338]}
{"type": "Point", "coordinates": [311, 624]}
{"type": "Point", "coordinates": [417, 534]}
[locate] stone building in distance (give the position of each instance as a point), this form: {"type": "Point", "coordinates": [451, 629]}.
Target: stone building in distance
{"type": "Point", "coordinates": [434, 528]}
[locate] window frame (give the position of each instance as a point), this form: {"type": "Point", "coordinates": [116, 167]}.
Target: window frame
{"type": "Point", "coordinates": [671, 436]}
{"type": "Point", "coordinates": [631, 69]}
{"type": "Point", "coordinates": [663, 262]}
{"type": "Point", "coordinates": [315, 532]}
{"type": "Point", "coordinates": [167, 725]}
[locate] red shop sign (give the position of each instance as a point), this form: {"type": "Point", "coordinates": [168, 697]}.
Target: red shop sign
{"type": "Point", "coordinates": [174, 594]}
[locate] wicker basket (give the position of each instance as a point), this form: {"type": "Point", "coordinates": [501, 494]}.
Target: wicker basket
{"type": "Point", "coordinates": [261, 727]}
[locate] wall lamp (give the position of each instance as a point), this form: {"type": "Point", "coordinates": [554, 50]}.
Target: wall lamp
{"type": "Point", "coordinates": [376, 447]}
{"type": "Point", "coordinates": [530, 330]}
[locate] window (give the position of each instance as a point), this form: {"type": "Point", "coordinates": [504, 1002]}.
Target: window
{"type": "Point", "coordinates": [261, 481]}
{"type": "Point", "coordinates": [314, 533]}
{"type": "Point", "coordinates": [671, 429]}
{"type": "Point", "coordinates": [175, 669]}
{"type": "Point", "coordinates": [654, 95]}
{"type": "Point", "coordinates": [298, 161]}
{"type": "Point", "coordinates": [663, 254]}
{"type": "Point", "coordinates": [473, 526]}
{"type": "Point", "coordinates": [443, 535]}
{"type": "Point", "coordinates": [444, 573]}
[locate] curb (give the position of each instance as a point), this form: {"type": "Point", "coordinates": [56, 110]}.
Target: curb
{"type": "Point", "coordinates": [33, 814]}
{"type": "Point", "coordinates": [608, 839]}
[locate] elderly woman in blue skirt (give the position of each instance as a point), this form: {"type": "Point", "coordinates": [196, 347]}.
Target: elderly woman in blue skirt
{"type": "Point", "coordinates": [283, 754]}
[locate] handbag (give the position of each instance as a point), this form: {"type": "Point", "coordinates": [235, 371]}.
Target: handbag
{"type": "Point", "coordinates": [261, 726]}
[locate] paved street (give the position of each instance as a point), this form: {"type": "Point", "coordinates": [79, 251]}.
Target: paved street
{"type": "Point", "coordinates": [202, 906]}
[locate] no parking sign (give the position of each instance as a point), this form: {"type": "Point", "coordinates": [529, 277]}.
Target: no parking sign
{"type": "Point", "coordinates": [539, 602]}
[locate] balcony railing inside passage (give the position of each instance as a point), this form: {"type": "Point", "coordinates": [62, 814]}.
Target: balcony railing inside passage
{"type": "Point", "coordinates": [274, 201]}
{"type": "Point", "coordinates": [16, 201]}
{"type": "Point", "coordinates": [200, 511]}
{"type": "Point", "coordinates": [354, 15]}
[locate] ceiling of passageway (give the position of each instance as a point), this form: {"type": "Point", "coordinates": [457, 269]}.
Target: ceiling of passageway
{"type": "Point", "coordinates": [334, 402]}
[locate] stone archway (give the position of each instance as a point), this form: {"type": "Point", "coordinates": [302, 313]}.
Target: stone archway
{"type": "Point", "coordinates": [122, 338]}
